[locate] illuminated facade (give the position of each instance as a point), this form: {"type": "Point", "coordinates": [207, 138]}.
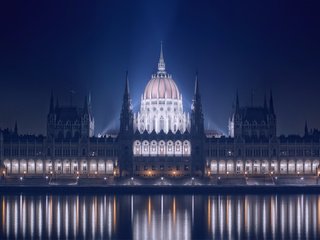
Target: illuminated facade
{"type": "Point", "coordinates": [161, 105]}
{"type": "Point", "coordinates": [161, 139]}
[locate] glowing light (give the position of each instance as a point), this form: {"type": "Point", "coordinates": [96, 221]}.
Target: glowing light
{"type": "Point", "coordinates": [161, 178]}
{"type": "Point", "coordinates": [21, 178]}
{"type": "Point", "coordinates": [47, 177]}
{"type": "Point", "coordinates": [131, 178]}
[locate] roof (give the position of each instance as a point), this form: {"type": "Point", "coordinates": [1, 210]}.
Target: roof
{"type": "Point", "coordinates": [68, 114]}
{"type": "Point", "coordinates": [252, 114]}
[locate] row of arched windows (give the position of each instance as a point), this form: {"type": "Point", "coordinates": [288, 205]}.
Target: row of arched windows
{"type": "Point", "coordinates": [161, 148]}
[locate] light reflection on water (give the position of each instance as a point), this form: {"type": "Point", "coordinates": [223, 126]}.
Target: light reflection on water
{"type": "Point", "coordinates": [160, 217]}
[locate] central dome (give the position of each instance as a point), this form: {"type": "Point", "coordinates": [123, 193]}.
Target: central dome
{"type": "Point", "coordinates": [161, 107]}
{"type": "Point", "coordinates": [161, 86]}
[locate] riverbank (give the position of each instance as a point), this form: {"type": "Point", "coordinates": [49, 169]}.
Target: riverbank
{"type": "Point", "coordinates": [145, 189]}
{"type": "Point", "coordinates": [218, 185]}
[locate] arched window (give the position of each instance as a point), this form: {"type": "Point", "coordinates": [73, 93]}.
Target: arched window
{"type": "Point", "coordinates": [178, 148]}
{"type": "Point", "coordinates": [137, 148]}
{"type": "Point", "coordinates": [186, 148]}
{"type": "Point", "coordinates": [161, 124]}
{"type": "Point", "coordinates": [170, 148]}
{"type": "Point", "coordinates": [162, 148]}
{"type": "Point", "coordinates": [145, 148]}
{"type": "Point", "coordinates": [153, 148]}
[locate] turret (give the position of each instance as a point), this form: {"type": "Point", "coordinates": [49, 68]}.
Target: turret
{"type": "Point", "coordinates": [16, 128]}
{"type": "Point", "coordinates": [126, 133]}
{"type": "Point", "coordinates": [197, 133]}
{"type": "Point", "coordinates": [126, 118]}
{"type": "Point", "coordinates": [306, 129]}
{"type": "Point", "coordinates": [161, 64]}
{"type": "Point", "coordinates": [271, 104]}
{"type": "Point", "coordinates": [51, 109]}
{"type": "Point", "coordinates": [197, 121]}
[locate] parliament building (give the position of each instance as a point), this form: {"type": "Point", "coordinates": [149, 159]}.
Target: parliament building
{"type": "Point", "coordinates": [161, 139]}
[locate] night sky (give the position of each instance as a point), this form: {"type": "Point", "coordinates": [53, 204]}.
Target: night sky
{"type": "Point", "coordinates": [249, 46]}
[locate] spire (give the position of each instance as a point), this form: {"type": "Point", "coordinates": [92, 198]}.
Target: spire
{"type": "Point", "coordinates": [126, 117]}
{"type": "Point", "coordinates": [237, 102]}
{"type": "Point", "coordinates": [161, 64]}
{"type": "Point", "coordinates": [265, 102]}
{"type": "Point", "coordinates": [271, 103]}
{"type": "Point", "coordinates": [86, 105]}
{"type": "Point", "coordinates": [306, 130]}
{"type": "Point", "coordinates": [197, 121]}
{"type": "Point", "coordinates": [51, 110]}
{"type": "Point", "coordinates": [126, 89]}
{"type": "Point", "coordinates": [57, 104]}
{"type": "Point", "coordinates": [16, 128]}
{"type": "Point", "coordinates": [196, 85]}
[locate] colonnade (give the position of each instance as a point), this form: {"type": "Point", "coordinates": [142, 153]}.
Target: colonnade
{"type": "Point", "coordinates": [263, 166]}
{"type": "Point", "coordinates": [59, 166]}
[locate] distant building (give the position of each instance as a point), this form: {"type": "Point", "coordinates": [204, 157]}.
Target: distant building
{"type": "Point", "coordinates": [161, 139]}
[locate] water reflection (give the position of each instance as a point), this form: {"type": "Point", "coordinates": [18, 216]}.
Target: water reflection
{"type": "Point", "coordinates": [160, 217]}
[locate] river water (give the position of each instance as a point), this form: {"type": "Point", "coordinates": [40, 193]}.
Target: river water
{"type": "Point", "coordinates": [165, 217]}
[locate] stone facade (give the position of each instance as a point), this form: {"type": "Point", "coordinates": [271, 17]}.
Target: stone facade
{"type": "Point", "coordinates": [160, 140]}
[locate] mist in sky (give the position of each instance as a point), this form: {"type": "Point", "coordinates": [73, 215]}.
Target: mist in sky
{"type": "Point", "coordinates": [250, 47]}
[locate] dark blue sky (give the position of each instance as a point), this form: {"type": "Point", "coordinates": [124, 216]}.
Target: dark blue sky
{"type": "Point", "coordinates": [86, 46]}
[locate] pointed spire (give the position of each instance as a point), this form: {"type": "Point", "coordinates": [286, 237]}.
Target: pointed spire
{"type": "Point", "coordinates": [265, 105]}
{"type": "Point", "coordinates": [237, 102]}
{"type": "Point", "coordinates": [306, 130]}
{"type": "Point", "coordinates": [51, 110]}
{"type": "Point", "coordinates": [86, 105]}
{"type": "Point", "coordinates": [196, 85]}
{"type": "Point", "coordinates": [271, 103]}
{"type": "Point", "coordinates": [89, 99]}
{"type": "Point", "coordinates": [16, 128]}
{"type": "Point", "coordinates": [126, 89]}
{"type": "Point", "coordinates": [161, 64]}
{"type": "Point", "coordinates": [57, 104]}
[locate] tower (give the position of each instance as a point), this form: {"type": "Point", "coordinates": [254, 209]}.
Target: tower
{"type": "Point", "coordinates": [87, 120]}
{"type": "Point", "coordinates": [51, 118]}
{"type": "Point", "coordinates": [126, 133]}
{"type": "Point", "coordinates": [197, 121]}
{"type": "Point", "coordinates": [272, 118]}
{"type": "Point", "coordinates": [197, 133]}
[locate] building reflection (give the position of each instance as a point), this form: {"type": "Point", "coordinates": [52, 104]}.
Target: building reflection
{"type": "Point", "coordinates": [160, 217]}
